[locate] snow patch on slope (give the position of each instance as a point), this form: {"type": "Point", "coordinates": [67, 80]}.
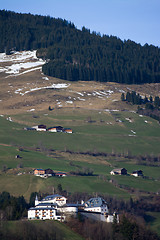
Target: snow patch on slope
{"type": "Point", "coordinates": [57, 86]}
{"type": "Point", "coordinates": [20, 61]}
{"type": "Point", "coordinates": [18, 56]}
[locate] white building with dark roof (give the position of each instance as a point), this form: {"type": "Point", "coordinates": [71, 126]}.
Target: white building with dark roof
{"type": "Point", "coordinates": [40, 127]}
{"type": "Point", "coordinates": [97, 209]}
{"type": "Point", "coordinates": [55, 207]}
{"type": "Point", "coordinates": [96, 205]}
{"type": "Point", "coordinates": [52, 207]}
{"type": "Point", "coordinates": [55, 198]}
{"type": "Point", "coordinates": [119, 171]}
{"type": "Point", "coordinates": [44, 212]}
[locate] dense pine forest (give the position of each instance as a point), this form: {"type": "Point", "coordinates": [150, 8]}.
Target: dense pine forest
{"type": "Point", "coordinates": [74, 54]}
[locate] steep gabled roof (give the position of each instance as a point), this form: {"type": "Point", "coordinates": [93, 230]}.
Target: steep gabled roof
{"type": "Point", "coordinates": [42, 126]}
{"type": "Point", "coordinates": [44, 204]}
{"type": "Point", "coordinates": [117, 169]}
{"type": "Point", "coordinates": [51, 197]}
{"type": "Point", "coordinates": [49, 171]}
{"type": "Point", "coordinates": [95, 202]}
{"type": "Point", "coordinates": [39, 169]}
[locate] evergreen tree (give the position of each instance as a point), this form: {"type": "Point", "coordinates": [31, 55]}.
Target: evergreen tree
{"type": "Point", "coordinates": [149, 106]}
{"type": "Point", "coordinates": [128, 97]}
{"type": "Point", "coordinates": [145, 100]}
{"type": "Point", "coordinates": [151, 99]}
{"type": "Point", "coordinates": [122, 97]}
{"type": "Point", "coordinates": [157, 102]}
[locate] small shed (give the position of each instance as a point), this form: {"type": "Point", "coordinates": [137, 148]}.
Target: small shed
{"type": "Point", "coordinates": [137, 173]}
{"type": "Point", "coordinates": [60, 174]}
{"type": "Point", "coordinates": [119, 171]}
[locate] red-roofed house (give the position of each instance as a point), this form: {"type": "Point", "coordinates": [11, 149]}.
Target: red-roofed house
{"type": "Point", "coordinates": [39, 171]}
{"type": "Point", "coordinates": [67, 130]}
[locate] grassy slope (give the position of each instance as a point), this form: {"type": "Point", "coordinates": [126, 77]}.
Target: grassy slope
{"type": "Point", "coordinates": [100, 135]}
{"type": "Point", "coordinates": [87, 136]}
{"type": "Point", "coordinates": [103, 134]}
{"type": "Point", "coordinates": [66, 232]}
{"type": "Point", "coordinates": [153, 221]}
{"type": "Point", "coordinates": [28, 183]}
{"type": "Point", "coordinates": [96, 136]}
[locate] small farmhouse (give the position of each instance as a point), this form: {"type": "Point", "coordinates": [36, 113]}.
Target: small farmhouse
{"type": "Point", "coordinates": [48, 173]}
{"type": "Point", "coordinates": [67, 130]}
{"type": "Point", "coordinates": [55, 129]}
{"type": "Point", "coordinates": [44, 173]}
{"type": "Point", "coordinates": [39, 172]}
{"type": "Point", "coordinates": [40, 127]}
{"type": "Point", "coordinates": [52, 129]}
{"type": "Point", "coordinates": [118, 171]}
{"type": "Point", "coordinates": [137, 173]}
{"type": "Point", "coordinates": [60, 174]}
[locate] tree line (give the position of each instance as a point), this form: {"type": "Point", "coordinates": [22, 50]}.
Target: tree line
{"type": "Point", "coordinates": [137, 99]}
{"type": "Point", "coordinates": [137, 207]}
{"type": "Point", "coordinates": [151, 105]}
{"type": "Point", "coordinates": [74, 54]}
{"type": "Point", "coordinates": [129, 228]}
{"type": "Point", "coordinates": [12, 208]}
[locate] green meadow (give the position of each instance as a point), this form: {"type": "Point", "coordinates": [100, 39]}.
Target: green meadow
{"type": "Point", "coordinates": [103, 133]}
{"type": "Point", "coordinates": [92, 131]}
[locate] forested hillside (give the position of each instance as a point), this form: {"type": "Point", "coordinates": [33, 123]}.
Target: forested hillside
{"type": "Point", "coordinates": [74, 54]}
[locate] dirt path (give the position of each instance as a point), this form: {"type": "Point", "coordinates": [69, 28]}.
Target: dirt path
{"type": "Point", "coordinates": [6, 145]}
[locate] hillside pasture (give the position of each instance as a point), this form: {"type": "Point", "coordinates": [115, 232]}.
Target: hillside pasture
{"type": "Point", "coordinates": [102, 132]}
{"type": "Point", "coordinates": [25, 184]}
{"type": "Point", "coordinates": [93, 131]}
